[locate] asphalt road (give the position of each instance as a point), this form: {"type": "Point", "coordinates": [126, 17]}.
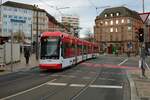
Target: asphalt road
{"type": "Point", "coordinates": [103, 78]}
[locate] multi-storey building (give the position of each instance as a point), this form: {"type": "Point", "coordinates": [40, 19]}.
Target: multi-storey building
{"type": "Point", "coordinates": [147, 34]}
{"type": "Point", "coordinates": [115, 30]}
{"type": "Point", "coordinates": [72, 22]}
{"type": "Point", "coordinates": [42, 21]}
{"type": "Point", "coordinates": [54, 25]}
{"type": "Point", "coordinates": [22, 18]}
{"type": "Point", "coordinates": [15, 19]}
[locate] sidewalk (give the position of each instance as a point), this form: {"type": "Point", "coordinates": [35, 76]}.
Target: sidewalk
{"type": "Point", "coordinates": [20, 66]}
{"type": "Point", "coordinates": [140, 87]}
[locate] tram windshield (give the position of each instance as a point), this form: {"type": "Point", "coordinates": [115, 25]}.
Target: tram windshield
{"type": "Point", "coordinates": [50, 47]}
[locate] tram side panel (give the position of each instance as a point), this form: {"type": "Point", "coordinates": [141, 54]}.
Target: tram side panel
{"type": "Point", "coordinates": [67, 54]}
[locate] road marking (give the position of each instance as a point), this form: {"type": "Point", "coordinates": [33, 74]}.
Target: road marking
{"type": "Point", "coordinates": [106, 86]}
{"type": "Point", "coordinates": [123, 62]}
{"type": "Point", "coordinates": [86, 78]}
{"type": "Point", "coordinates": [147, 66]}
{"type": "Point", "coordinates": [8, 97]}
{"type": "Point", "coordinates": [70, 76]}
{"type": "Point", "coordinates": [107, 79]}
{"type": "Point", "coordinates": [57, 84]}
{"type": "Point", "coordinates": [77, 85]}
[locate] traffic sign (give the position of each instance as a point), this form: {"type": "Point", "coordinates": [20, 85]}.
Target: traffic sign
{"type": "Point", "coordinates": [144, 16]}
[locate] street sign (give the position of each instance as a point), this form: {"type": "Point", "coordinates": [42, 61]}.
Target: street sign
{"type": "Point", "coordinates": [144, 16]}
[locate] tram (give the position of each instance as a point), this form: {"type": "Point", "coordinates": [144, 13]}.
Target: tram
{"type": "Point", "coordinates": [60, 50]}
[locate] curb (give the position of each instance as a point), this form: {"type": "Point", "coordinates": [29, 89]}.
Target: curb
{"type": "Point", "coordinates": [134, 95]}
{"type": "Point", "coordinates": [19, 70]}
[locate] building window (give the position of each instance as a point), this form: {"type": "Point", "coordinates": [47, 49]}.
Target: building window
{"type": "Point", "coordinates": [111, 29]}
{"type": "Point", "coordinates": [15, 17]}
{"type": "Point", "coordinates": [129, 28]}
{"type": "Point", "coordinates": [117, 14]}
{"type": "Point", "coordinates": [10, 16]}
{"type": "Point", "coordinates": [122, 21]}
{"type": "Point", "coordinates": [106, 23]}
{"type": "Point", "coordinates": [122, 29]}
{"type": "Point", "coordinates": [117, 21]}
{"type": "Point", "coordinates": [128, 21]}
{"type": "Point", "coordinates": [116, 29]}
{"type": "Point", "coordinates": [5, 16]}
{"type": "Point", "coordinates": [29, 18]}
{"type": "Point", "coordinates": [5, 30]}
{"type": "Point", "coordinates": [111, 22]}
{"type": "Point", "coordinates": [111, 14]}
{"type": "Point", "coordinates": [25, 18]}
{"type": "Point", "coordinates": [106, 15]}
{"type": "Point", "coordinates": [20, 17]}
{"type": "Point", "coordinates": [5, 23]}
{"type": "Point", "coordinates": [101, 23]}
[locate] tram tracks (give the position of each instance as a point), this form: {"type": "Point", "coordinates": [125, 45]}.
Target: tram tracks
{"type": "Point", "coordinates": [25, 78]}
{"type": "Point", "coordinates": [79, 92]}
{"type": "Point", "coordinates": [87, 86]}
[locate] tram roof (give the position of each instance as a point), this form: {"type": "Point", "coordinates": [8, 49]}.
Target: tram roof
{"type": "Point", "coordinates": [44, 34]}
{"type": "Point", "coordinates": [67, 37]}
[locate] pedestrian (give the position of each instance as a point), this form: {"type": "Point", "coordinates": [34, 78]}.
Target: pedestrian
{"type": "Point", "coordinates": [143, 56]}
{"type": "Point", "coordinates": [128, 53]}
{"type": "Point", "coordinates": [27, 53]}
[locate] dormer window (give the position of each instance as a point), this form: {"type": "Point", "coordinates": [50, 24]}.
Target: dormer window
{"type": "Point", "coordinates": [111, 15]}
{"type": "Point", "coordinates": [117, 14]}
{"type": "Point", "coordinates": [106, 15]}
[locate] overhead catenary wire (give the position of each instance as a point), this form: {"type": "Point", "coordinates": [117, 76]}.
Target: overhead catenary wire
{"type": "Point", "coordinates": [54, 7]}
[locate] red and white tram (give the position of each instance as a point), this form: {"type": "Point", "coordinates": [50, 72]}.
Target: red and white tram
{"type": "Point", "coordinates": [59, 50]}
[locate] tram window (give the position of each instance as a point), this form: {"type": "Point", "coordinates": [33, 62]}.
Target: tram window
{"type": "Point", "coordinates": [79, 49]}
{"type": "Point", "coordinates": [65, 50]}
{"type": "Point", "coordinates": [50, 47]}
{"type": "Point", "coordinates": [68, 49]}
{"type": "Point", "coordinates": [84, 49]}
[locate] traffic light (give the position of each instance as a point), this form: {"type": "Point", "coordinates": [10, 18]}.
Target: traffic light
{"type": "Point", "coordinates": [141, 35]}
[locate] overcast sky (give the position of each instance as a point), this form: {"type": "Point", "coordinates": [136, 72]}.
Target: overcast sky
{"type": "Point", "coordinates": [85, 9]}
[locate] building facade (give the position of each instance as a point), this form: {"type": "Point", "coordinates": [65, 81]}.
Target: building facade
{"type": "Point", "coordinates": [15, 20]}
{"type": "Point", "coordinates": [42, 21]}
{"type": "Point", "coordinates": [71, 22]}
{"type": "Point", "coordinates": [19, 18]}
{"type": "Point", "coordinates": [115, 30]}
{"type": "Point", "coordinates": [54, 25]}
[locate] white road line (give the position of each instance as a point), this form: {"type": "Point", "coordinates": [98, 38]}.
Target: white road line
{"type": "Point", "coordinates": [57, 84]}
{"type": "Point", "coordinates": [147, 66]}
{"type": "Point", "coordinates": [105, 86]}
{"type": "Point", "coordinates": [8, 97]}
{"type": "Point", "coordinates": [77, 85]}
{"type": "Point", "coordinates": [123, 62]}
{"type": "Point", "coordinates": [70, 76]}
{"type": "Point", "coordinates": [86, 78]}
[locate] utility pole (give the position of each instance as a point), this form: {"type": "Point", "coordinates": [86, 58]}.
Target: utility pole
{"type": "Point", "coordinates": [11, 50]}
{"type": "Point", "coordinates": [31, 39]}
{"type": "Point", "coordinates": [37, 44]}
{"type": "Point", "coordinates": [143, 6]}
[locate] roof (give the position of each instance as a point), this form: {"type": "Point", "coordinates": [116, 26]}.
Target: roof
{"type": "Point", "coordinates": [21, 5]}
{"type": "Point", "coordinates": [123, 12]}
{"type": "Point", "coordinates": [51, 18]}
